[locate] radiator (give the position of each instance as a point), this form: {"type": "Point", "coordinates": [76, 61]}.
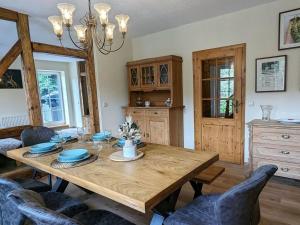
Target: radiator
{"type": "Point", "coordinates": [14, 121]}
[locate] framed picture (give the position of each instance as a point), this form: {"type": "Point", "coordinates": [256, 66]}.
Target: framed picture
{"type": "Point", "coordinates": [11, 79]}
{"type": "Point", "coordinates": [271, 74]}
{"type": "Point", "coordinates": [289, 29]}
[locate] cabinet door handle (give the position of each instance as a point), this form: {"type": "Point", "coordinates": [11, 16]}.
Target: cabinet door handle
{"type": "Point", "coordinates": [285, 169]}
{"type": "Point", "coordinates": [285, 136]}
{"type": "Point", "coordinates": [134, 112]}
{"type": "Point", "coordinates": [285, 152]}
{"type": "Point", "coordinates": [147, 135]}
{"type": "Point", "coordinates": [155, 113]}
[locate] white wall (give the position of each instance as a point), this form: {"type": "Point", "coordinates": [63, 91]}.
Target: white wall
{"type": "Point", "coordinates": [258, 28]}
{"type": "Point", "coordinates": [112, 86]}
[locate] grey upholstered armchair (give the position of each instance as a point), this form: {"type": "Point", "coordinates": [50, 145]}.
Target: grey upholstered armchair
{"type": "Point", "coordinates": [237, 206]}
{"type": "Point", "coordinates": [61, 203]}
{"type": "Point", "coordinates": [32, 206]}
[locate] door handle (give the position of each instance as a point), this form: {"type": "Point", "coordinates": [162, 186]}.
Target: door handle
{"type": "Point", "coordinates": [236, 105]}
{"type": "Point", "coordinates": [147, 135]}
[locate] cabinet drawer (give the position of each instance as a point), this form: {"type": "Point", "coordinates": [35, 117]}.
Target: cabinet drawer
{"type": "Point", "coordinates": [277, 136]}
{"type": "Point", "coordinates": [288, 170]}
{"type": "Point", "coordinates": [158, 112]}
{"type": "Point", "coordinates": [135, 112]}
{"type": "Point", "coordinates": [278, 153]}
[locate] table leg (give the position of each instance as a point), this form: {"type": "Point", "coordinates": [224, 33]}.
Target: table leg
{"type": "Point", "coordinates": [165, 208]}
{"type": "Point", "coordinates": [197, 186]}
{"type": "Point", "coordinates": [60, 185]}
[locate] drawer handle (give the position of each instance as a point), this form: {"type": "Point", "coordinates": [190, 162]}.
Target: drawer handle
{"type": "Point", "coordinates": [134, 111]}
{"type": "Point", "coordinates": [155, 113]}
{"type": "Point", "coordinates": [285, 136]}
{"type": "Point", "coordinates": [285, 152]}
{"type": "Point", "coordinates": [285, 169]}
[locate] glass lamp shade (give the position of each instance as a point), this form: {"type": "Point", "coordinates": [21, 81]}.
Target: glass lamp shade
{"type": "Point", "coordinates": [110, 31]}
{"type": "Point", "coordinates": [102, 10]}
{"type": "Point", "coordinates": [57, 25]}
{"type": "Point", "coordinates": [80, 30]}
{"type": "Point", "coordinates": [67, 11]}
{"type": "Point", "coordinates": [122, 21]}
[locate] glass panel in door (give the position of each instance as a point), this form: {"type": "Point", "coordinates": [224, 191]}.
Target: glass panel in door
{"type": "Point", "coordinates": [218, 87]}
{"type": "Point", "coordinates": [164, 74]}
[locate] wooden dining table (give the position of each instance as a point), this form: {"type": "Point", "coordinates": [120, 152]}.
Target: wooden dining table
{"type": "Point", "coordinates": [151, 183]}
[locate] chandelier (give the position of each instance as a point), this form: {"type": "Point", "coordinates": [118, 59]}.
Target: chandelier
{"type": "Point", "coordinates": [90, 31]}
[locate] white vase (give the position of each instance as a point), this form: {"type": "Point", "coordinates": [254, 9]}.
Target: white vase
{"type": "Point", "coordinates": [129, 149]}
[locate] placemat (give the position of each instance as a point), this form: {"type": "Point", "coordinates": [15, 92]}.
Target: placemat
{"type": "Point", "coordinates": [29, 154]}
{"type": "Point", "coordinates": [59, 165]}
{"type": "Point", "coordinates": [118, 156]}
{"type": "Point", "coordinates": [140, 145]}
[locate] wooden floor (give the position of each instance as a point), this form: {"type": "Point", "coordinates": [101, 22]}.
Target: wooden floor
{"type": "Point", "coordinates": [280, 200]}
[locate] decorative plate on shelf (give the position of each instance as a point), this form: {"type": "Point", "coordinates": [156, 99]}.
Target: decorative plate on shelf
{"type": "Point", "coordinates": [289, 121]}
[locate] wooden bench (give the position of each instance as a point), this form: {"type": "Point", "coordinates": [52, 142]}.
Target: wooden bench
{"type": "Point", "coordinates": [207, 176]}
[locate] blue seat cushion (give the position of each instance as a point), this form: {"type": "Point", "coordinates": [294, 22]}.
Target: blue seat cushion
{"type": "Point", "coordinates": [100, 217]}
{"type": "Point", "coordinates": [198, 212]}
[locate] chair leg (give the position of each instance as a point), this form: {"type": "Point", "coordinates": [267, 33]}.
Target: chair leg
{"type": "Point", "coordinates": [34, 173]}
{"type": "Point", "coordinates": [50, 179]}
{"type": "Point", "coordinates": [197, 186]}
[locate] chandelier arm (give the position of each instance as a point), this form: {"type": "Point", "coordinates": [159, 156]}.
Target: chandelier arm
{"type": "Point", "coordinates": [116, 48]}
{"type": "Point", "coordinates": [102, 50]}
{"type": "Point", "coordinates": [77, 46]}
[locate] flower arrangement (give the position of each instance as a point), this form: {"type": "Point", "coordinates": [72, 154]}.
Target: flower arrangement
{"type": "Point", "coordinates": [129, 130]}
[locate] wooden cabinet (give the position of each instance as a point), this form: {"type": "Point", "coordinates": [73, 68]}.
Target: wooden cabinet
{"type": "Point", "coordinates": [156, 80]}
{"type": "Point", "coordinates": [275, 143]}
{"type": "Point", "coordinates": [159, 125]}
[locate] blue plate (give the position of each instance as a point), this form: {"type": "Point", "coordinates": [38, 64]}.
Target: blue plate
{"type": "Point", "coordinates": [73, 155]}
{"type": "Point", "coordinates": [121, 142]}
{"type": "Point", "coordinates": [60, 138]}
{"type": "Point", "coordinates": [43, 147]}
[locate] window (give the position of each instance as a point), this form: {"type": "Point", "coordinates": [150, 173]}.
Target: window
{"type": "Point", "coordinates": [51, 97]}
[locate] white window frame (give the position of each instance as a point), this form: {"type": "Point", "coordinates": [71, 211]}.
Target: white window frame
{"type": "Point", "coordinates": [61, 96]}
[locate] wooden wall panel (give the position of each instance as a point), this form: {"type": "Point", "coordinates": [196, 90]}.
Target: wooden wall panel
{"type": "Point", "coordinates": [29, 72]}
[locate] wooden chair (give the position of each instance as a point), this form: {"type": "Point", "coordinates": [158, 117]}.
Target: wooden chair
{"type": "Point", "coordinates": [207, 176]}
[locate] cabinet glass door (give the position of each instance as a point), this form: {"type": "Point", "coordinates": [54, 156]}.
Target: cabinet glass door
{"type": "Point", "coordinates": [148, 75]}
{"type": "Point", "coordinates": [218, 87]}
{"type": "Point", "coordinates": [134, 78]}
{"type": "Point", "coordinates": [164, 78]}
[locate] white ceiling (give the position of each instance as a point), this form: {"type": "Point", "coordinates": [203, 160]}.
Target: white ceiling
{"type": "Point", "coordinates": [146, 16]}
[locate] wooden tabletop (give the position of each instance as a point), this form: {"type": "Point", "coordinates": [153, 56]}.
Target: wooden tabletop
{"type": "Point", "coordinates": [140, 184]}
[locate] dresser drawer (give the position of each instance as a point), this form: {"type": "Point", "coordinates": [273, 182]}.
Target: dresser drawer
{"type": "Point", "coordinates": [158, 112]}
{"type": "Point", "coordinates": [278, 136]}
{"type": "Point", "coordinates": [278, 153]}
{"type": "Point", "coordinates": [288, 170]}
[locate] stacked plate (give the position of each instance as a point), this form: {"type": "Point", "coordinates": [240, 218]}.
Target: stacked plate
{"type": "Point", "coordinates": [43, 148]}
{"type": "Point", "coordinates": [102, 136]}
{"type": "Point", "coordinates": [60, 138]}
{"type": "Point", "coordinates": [73, 155]}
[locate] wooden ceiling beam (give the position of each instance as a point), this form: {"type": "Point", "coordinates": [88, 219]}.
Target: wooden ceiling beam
{"type": "Point", "coordinates": [57, 50]}
{"type": "Point", "coordinates": [10, 57]}
{"type": "Point", "coordinates": [6, 14]}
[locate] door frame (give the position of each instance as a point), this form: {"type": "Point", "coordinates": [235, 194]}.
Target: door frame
{"type": "Point", "coordinates": [198, 96]}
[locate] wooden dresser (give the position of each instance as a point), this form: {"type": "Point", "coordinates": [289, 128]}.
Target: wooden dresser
{"type": "Point", "coordinates": [156, 80]}
{"type": "Point", "coordinates": [276, 143]}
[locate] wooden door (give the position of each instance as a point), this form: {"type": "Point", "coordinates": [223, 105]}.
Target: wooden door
{"type": "Point", "coordinates": [164, 71]}
{"type": "Point", "coordinates": [134, 78]}
{"type": "Point", "coordinates": [157, 130]}
{"type": "Point", "coordinates": [219, 85]}
{"type": "Point", "coordinates": [149, 76]}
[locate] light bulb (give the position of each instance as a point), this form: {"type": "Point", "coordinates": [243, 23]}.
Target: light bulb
{"type": "Point", "coordinates": [67, 11]}
{"type": "Point", "coordinates": [122, 21]}
{"type": "Point", "coordinates": [80, 30]}
{"type": "Point", "coordinates": [57, 25]}
{"type": "Point", "coordinates": [102, 10]}
{"type": "Point", "coordinates": [110, 31]}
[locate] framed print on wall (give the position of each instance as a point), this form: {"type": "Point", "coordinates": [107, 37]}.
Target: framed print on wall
{"type": "Point", "coordinates": [271, 74]}
{"type": "Point", "coordinates": [11, 79]}
{"type": "Point", "coordinates": [289, 29]}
